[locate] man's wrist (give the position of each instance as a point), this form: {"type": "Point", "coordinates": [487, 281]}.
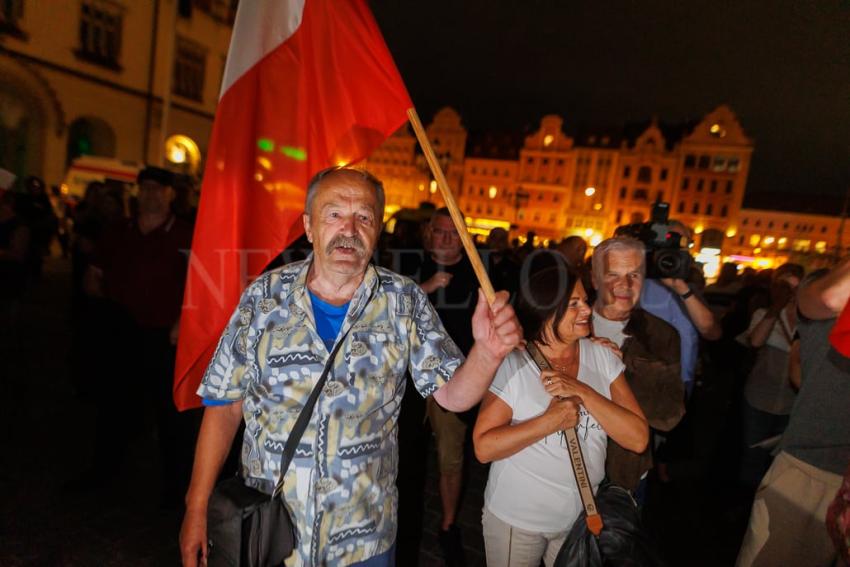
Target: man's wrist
{"type": "Point", "coordinates": [688, 292]}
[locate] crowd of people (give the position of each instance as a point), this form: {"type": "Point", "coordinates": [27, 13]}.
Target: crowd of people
{"type": "Point", "coordinates": [629, 357]}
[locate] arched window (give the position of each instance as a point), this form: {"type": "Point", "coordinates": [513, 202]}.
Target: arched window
{"type": "Point", "coordinates": [90, 136]}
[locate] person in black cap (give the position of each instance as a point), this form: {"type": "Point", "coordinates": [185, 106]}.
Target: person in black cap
{"type": "Point", "coordinates": [139, 267]}
{"type": "Point", "coordinates": [37, 213]}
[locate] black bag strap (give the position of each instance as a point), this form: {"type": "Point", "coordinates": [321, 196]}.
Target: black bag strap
{"type": "Point", "coordinates": [307, 411]}
{"type": "Point", "coordinates": [585, 489]}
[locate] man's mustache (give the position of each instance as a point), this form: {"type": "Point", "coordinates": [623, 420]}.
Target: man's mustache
{"type": "Point", "coordinates": [342, 241]}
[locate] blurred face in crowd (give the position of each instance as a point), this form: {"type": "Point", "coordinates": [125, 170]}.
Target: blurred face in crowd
{"type": "Point", "coordinates": [497, 240]}
{"type": "Point", "coordinates": [618, 283]}
{"type": "Point", "coordinates": [343, 223]}
{"type": "Point", "coordinates": [575, 323]}
{"type": "Point", "coordinates": [573, 250]}
{"type": "Point", "coordinates": [444, 241]}
{"type": "Point", "coordinates": [154, 198]}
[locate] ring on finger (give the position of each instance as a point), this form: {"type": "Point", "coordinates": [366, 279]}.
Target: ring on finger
{"type": "Point", "coordinates": [548, 381]}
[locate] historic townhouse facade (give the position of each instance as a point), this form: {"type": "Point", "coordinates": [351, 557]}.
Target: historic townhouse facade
{"type": "Point", "coordinates": [556, 185]}
{"type": "Point", "coordinates": [92, 77]}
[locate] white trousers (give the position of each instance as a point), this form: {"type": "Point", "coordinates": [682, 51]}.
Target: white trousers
{"type": "Point", "coordinates": [509, 546]}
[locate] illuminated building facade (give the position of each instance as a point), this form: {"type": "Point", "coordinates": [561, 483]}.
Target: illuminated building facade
{"type": "Point", "coordinates": [556, 185]}
{"type": "Point", "coordinates": [802, 233]}
{"type": "Point", "coordinates": [91, 76]}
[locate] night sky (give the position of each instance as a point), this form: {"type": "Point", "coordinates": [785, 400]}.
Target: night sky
{"type": "Point", "coordinates": [783, 67]}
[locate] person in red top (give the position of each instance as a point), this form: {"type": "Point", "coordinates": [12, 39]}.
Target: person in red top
{"type": "Point", "coordinates": [140, 269]}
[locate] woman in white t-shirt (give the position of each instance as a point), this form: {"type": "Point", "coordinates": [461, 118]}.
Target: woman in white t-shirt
{"type": "Point", "coordinates": [532, 500]}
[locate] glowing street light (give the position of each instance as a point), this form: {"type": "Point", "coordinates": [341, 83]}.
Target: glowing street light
{"type": "Point", "coordinates": [590, 191]}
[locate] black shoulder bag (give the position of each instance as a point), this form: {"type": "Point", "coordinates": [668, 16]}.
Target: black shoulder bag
{"type": "Point", "coordinates": [249, 528]}
{"type": "Point", "coordinates": [608, 532]}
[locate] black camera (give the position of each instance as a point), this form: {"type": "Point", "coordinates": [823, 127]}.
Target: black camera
{"type": "Point", "coordinates": [666, 257]}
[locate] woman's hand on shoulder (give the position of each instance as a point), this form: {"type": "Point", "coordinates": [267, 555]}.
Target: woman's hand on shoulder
{"type": "Point", "coordinates": [562, 414]}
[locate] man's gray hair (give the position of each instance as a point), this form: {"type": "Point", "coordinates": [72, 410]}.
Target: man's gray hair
{"type": "Point", "coordinates": [313, 186]}
{"type": "Point", "coordinates": [618, 244]}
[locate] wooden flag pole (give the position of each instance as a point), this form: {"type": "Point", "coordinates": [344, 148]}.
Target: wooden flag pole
{"type": "Point", "coordinates": [451, 204]}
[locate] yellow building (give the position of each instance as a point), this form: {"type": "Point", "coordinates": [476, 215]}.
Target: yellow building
{"type": "Point", "coordinates": [91, 77]}
{"type": "Point", "coordinates": [557, 185]}
{"type": "Point", "coordinates": [766, 238]}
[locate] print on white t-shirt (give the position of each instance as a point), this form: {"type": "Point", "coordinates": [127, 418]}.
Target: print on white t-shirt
{"type": "Point", "coordinates": [535, 489]}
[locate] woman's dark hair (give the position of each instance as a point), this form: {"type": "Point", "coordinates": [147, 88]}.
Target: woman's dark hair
{"type": "Point", "coordinates": [789, 269]}
{"type": "Point", "coordinates": [545, 295]}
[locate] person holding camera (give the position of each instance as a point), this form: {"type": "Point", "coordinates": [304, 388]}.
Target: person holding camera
{"type": "Point", "coordinates": [674, 300]}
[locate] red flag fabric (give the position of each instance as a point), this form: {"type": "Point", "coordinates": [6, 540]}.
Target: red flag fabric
{"type": "Point", "coordinates": [840, 335]}
{"type": "Point", "coordinates": [308, 84]}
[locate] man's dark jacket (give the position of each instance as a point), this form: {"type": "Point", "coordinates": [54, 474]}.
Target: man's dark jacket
{"type": "Point", "coordinates": [653, 371]}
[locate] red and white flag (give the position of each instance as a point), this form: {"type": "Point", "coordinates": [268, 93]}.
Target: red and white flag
{"type": "Point", "coordinates": [840, 335]}
{"type": "Point", "coordinates": [308, 84]}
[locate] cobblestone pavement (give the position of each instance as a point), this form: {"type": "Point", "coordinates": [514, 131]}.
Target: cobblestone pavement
{"type": "Point", "coordinates": [49, 518]}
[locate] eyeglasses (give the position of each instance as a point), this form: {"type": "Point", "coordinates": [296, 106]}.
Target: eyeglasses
{"type": "Point", "coordinates": [452, 234]}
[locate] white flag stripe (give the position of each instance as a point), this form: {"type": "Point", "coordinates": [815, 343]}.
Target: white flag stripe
{"type": "Point", "coordinates": [261, 26]}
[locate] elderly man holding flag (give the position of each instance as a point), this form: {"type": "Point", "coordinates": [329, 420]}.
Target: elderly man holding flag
{"type": "Point", "coordinates": [340, 487]}
{"type": "Point", "coordinates": [341, 98]}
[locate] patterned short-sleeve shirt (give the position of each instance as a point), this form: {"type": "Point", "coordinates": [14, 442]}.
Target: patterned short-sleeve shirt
{"type": "Point", "coordinates": [340, 487]}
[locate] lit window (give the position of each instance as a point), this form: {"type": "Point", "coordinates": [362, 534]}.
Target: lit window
{"type": "Point", "coordinates": [820, 247]}
{"type": "Point", "coordinates": [548, 139]}
{"type": "Point", "coordinates": [100, 32]}
{"type": "Point", "coordinates": [717, 130]}
{"type": "Point", "coordinates": [11, 12]}
{"type": "Point", "coordinates": [733, 164]}
{"type": "Point", "coordinates": [189, 67]}
{"type": "Point", "coordinates": [755, 239]}
{"type": "Point", "coordinates": [801, 245]}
